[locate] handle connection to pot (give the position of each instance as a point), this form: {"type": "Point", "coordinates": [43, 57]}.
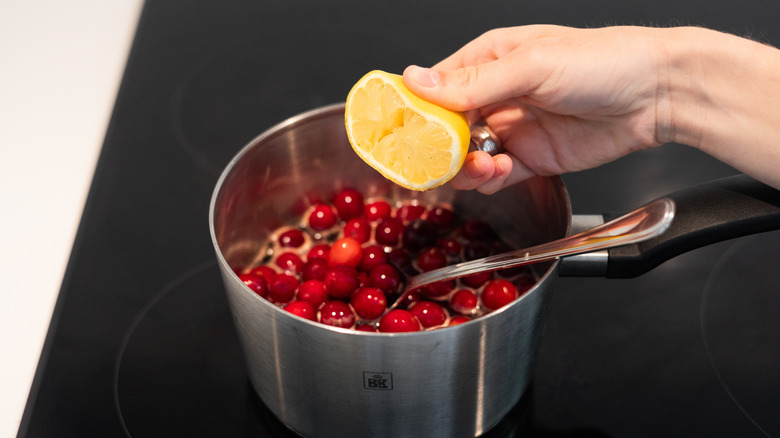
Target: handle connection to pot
{"type": "Point", "coordinates": [712, 212]}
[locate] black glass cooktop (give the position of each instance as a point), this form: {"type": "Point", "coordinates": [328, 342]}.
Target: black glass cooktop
{"type": "Point", "coordinates": [142, 343]}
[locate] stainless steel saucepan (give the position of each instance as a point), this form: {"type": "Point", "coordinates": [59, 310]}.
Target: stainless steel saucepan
{"type": "Point", "coordinates": [455, 382]}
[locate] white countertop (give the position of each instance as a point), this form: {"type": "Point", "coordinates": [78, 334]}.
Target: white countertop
{"type": "Point", "coordinates": [62, 63]}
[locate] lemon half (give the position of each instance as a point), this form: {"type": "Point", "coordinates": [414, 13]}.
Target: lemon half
{"type": "Point", "coordinates": [410, 141]}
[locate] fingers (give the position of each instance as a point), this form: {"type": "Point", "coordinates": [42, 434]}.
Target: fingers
{"type": "Point", "coordinates": [489, 174]}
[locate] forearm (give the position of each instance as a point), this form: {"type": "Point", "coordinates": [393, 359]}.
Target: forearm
{"type": "Point", "coordinates": [721, 94]}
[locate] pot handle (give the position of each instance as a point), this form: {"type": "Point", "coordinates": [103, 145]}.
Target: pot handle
{"type": "Point", "coordinates": [712, 212]}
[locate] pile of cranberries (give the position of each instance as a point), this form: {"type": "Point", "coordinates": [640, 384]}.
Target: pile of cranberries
{"type": "Point", "coordinates": [345, 263]}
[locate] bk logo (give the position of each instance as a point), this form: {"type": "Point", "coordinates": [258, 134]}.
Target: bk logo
{"type": "Point", "coordinates": [377, 381]}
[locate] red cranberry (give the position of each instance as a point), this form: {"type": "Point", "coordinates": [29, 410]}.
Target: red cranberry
{"type": "Point", "coordinates": [388, 231]}
{"type": "Point", "coordinates": [366, 328]}
{"type": "Point", "coordinates": [318, 251]}
{"type": "Point", "coordinates": [349, 203]}
{"type": "Point", "coordinates": [397, 321]}
{"type": "Point", "coordinates": [418, 235]}
{"type": "Point", "coordinates": [476, 229]}
{"type": "Point", "coordinates": [255, 282]}
{"type": "Point", "coordinates": [314, 269]}
{"type": "Point", "coordinates": [322, 217]}
{"type": "Point", "coordinates": [442, 217]}
{"type": "Point", "coordinates": [373, 255]}
{"type": "Point", "coordinates": [477, 279]}
{"type": "Point", "coordinates": [498, 293]}
{"type": "Point", "coordinates": [338, 314]}
{"type": "Point", "coordinates": [463, 301]}
{"type": "Point", "coordinates": [358, 228]}
{"type": "Point", "coordinates": [431, 258]}
{"type": "Point", "coordinates": [399, 257]}
{"type": "Point", "coordinates": [429, 314]}
{"type": "Point", "coordinates": [283, 288]}
{"type": "Point", "coordinates": [313, 291]}
{"type": "Point", "coordinates": [459, 319]}
{"type": "Point", "coordinates": [377, 210]}
{"type": "Point", "coordinates": [290, 263]}
{"type": "Point", "coordinates": [409, 212]}
{"type": "Point", "coordinates": [304, 309]}
{"type": "Point", "coordinates": [450, 246]}
{"type": "Point", "coordinates": [385, 277]}
{"type": "Point", "coordinates": [264, 271]}
{"type": "Point", "coordinates": [341, 281]}
{"type": "Point", "coordinates": [409, 299]}
{"type": "Point", "coordinates": [345, 251]}
{"type": "Point", "coordinates": [292, 238]}
{"type": "Point", "coordinates": [439, 289]}
{"type": "Point", "coordinates": [369, 302]}
{"type": "Point", "coordinates": [476, 249]}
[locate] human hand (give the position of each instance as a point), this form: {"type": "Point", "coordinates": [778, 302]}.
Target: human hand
{"type": "Point", "coordinates": [560, 99]}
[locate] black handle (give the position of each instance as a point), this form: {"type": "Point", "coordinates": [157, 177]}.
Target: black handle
{"type": "Point", "coordinates": [716, 211]}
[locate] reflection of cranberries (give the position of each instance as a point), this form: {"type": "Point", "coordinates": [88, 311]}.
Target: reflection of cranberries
{"type": "Point", "coordinates": [255, 282]}
{"type": "Point", "coordinates": [397, 321]}
{"type": "Point", "coordinates": [429, 314]}
{"type": "Point", "coordinates": [498, 293]}
{"type": "Point", "coordinates": [349, 203]}
{"type": "Point", "coordinates": [304, 309]}
{"type": "Point", "coordinates": [322, 217]}
{"type": "Point", "coordinates": [341, 281]}
{"type": "Point", "coordinates": [369, 302]}
{"type": "Point", "coordinates": [337, 313]}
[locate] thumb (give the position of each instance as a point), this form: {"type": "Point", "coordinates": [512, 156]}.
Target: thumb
{"type": "Point", "coordinates": [465, 88]}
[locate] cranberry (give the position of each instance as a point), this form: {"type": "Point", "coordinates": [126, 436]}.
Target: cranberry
{"type": "Point", "coordinates": [266, 272]}
{"type": "Point", "coordinates": [358, 228]}
{"type": "Point", "coordinates": [255, 282]}
{"type": "Point", "coordinates": [410, 212]}
{"type": "Point", "coordinates": [341, 281]}
{"type": "Point", "coordinates": [290, 263]}
{"type": "Point", "coordinates": [349, 203]}
{"type": "Point", "coordinates": [338, 314]}
{"type": "Point", "coordinates": [314, 269]}
{"type": "Point", "coordinates": [399, 257]}
{"type": "Point", "coordinates": [476, 229]}
{"type": "Point", "coordinates": [388, 231]}
{"type": "Point", "coordinates": [409, 299]}
{"type": "Point", "coordinates": [438, 290]}
{"type": "Point", "coordinates": [283, 288]}
{"type": "Point", "coordinates": [292, 238]}
{"type": "Point", "coordinates": [476, 249]}
{"type": "Point", "coordinates": [322, 217]}
{"type": "Point", "coordinates": [318, 251]}
{"type": "Point", "coordinates": [442, 217]}
{"type": "Point", "coordinates": [397, 321]}
{"type": "Point", "coordinates": [498, 293]}
{"type": "Point", "coordinates": [373, 255]}
{"type": "Point", "coordinates": [346, 251]}
{"type": "Point", "coordinates": [377, 210]}
{"type": "Point", "coordinates": [459, 319]}
{"type": "Point", "coordinates": [366, 328]}
{"type": "Point", "coordinates": [463, 301]}
{"type": "Point", "coordinates": [304, 309]}
{"type": "Point", "coordinates": [431, 258]}
{"type": "Point", "coordinates": [477, 279]}
{"type": "Point", "coordinates": [385, 277]}
{"type": "Point", "coordinates": [369, 302]}
{"type": "Point", "coordinates": [418, 235]}
{"type": "Point", "coordinates": [313, 291]}
{"type": "Point", "coordinates": [450, 246]}
{"type": "Point", "coordinates": [429, 314]}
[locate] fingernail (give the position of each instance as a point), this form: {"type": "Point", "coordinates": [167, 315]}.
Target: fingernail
{"type": "Point", "coordinates": [425, 76]}
{"type": "Point", "coordinates": [471, 168]}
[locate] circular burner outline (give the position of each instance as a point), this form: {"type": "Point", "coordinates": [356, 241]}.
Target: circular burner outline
{"type": "Point", "coordinates": [197, 269]}
{"type": "Point", "coordinates": [723, 260]}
